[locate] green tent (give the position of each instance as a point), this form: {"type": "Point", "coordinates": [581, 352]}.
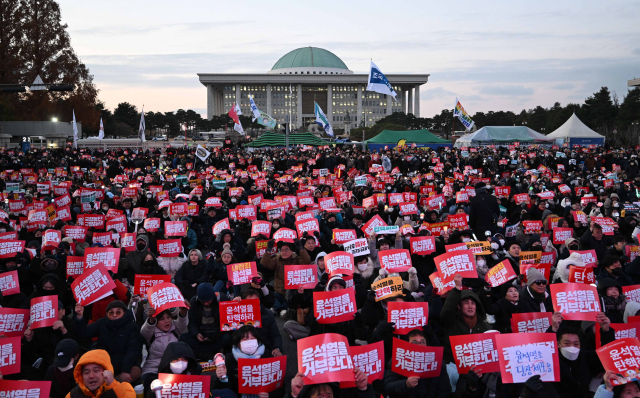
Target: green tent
{"type": "Point", "coordinates": [422, 138]}
{"type": "Point", "coordinates": [270, 139]}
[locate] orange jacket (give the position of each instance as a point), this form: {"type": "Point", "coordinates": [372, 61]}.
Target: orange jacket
{"type": "Point", "coordinates": [100, 357]}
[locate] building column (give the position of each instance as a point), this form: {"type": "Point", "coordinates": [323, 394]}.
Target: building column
{"type": "Point", "coordinates": [360, 116]}
{"type": "Point", "coordinates": [299, 103]}
{"type": "Point", "coordinates": [416, 107]}
{"type": "Point", "coordinates": [330, 102]}
{"type": "Point", "coordinates": [238, 95]}
{"type": "Point", "coordinates": [389, 103]}
{"type": "Point", "coordinates": [404, 101]}
{"type": "Point", "coordinates": [210, 102]}
{"type": "Point", "coordinates": [410, 101]}
{"type": "Point", "coordinates": [221, 107]}
{"type": "Point", "coordinates": [269, 109]}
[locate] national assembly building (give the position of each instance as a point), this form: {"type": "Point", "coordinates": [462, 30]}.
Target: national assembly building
{"type": "Point", "coordinates": [312, 74]}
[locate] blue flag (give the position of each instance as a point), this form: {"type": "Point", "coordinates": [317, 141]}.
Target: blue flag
{"type": "Point", "coordinates": [379, 83]}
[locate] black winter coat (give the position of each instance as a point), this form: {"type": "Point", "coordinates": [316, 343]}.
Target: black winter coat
{"type": "Point", "coordinates": [435, 387]}
{"type": "Point", "coordinates": [483, 211]}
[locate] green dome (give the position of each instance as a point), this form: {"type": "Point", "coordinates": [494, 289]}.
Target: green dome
{"type": "Point", "coordinates": [308, 57]}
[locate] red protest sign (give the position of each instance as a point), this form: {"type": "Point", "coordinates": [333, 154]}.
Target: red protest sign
{"type": "Point", "coordinates": [545, 269]}
{"type": "Point", "coordinates": [458, 222]}
{"type": "Point", "coordinates": [408, 208]}
{"type": "Point", "coordinates": [308, 226]}
{"type": "Point", "coordinates": [184, 385]}
{"type": "Point", "coordinates": [261, 228]}
{"type": "Point", "coordinates": [10, 358]}
{"type": "Point", "coordinates": [43, 311]}
{"type": "Point", "coordinates": [589, 257]}
{"type": "Point", "coordinates": [285, 235]}
{"type": "Point", "coordinates": [503, 192]}
{"type": "Point", "coordinates": [532, 227]}
{"type": "Point", "coordinates": [342, 236]}
{"type": "Point", "coordinates": [262, 375]}
{"type": "Point", "coordinates": [221, 225]}
{"type": "Point", "coordinates": [414, 360]}
{"type": "Point", "coordinates": [632, 293]}
{"type": "Point", "coordinates": [407, 316]}
{"type": "Point", "coordinates": [235, 314]}
{"type": "Point", "coordinates": [152, 224]}
{"type": "Point", "coordinates": [92, 285]}
{"type": "Point", "coordinates": [576, 301]}
{"type": "Point", "coordinates": [525, 355]}
{"type": "Point", "coordinates": [530, 322]}
{"type": "Point", "coordinates": [109, 257]}
{"type": "Point", "coordinates": [560, 235]}
{"type": "Point", "coordinates": [13, 321]}
{"type": "Point", "coordinates": [458, 262]}
{"type": "Point", "coordinates": [622, 357]}
{"type": "Point", "coordinates": [178, 209]}
{"type": "Point", "coordinates": [165, 295]}
{"type": "Point", "coordinates": [76, 232]}
{"type": "Point", "coordinates": [521, 198]}
{"type": "Point", "coordinates": [128, 242]}
{"type": "Point", "coordinates": [119, 225]}
{"type": "Point", "coordinates": [241, 273]}
{"type": "Point", "coordinates": [175, 228]}
{"type": "Point", "coordinates": [250, 212]}
{"type": "Point", "coordinates": [296, 276]}
{"type": "Point", "coordinates": [339, 263]}
{"type": "Point", "coordinates": [375, 221]}
{"type": "Point", "coordinates": [325, 358]}
{"type": "Point", "coordinates": [333, 307]}
{"type": "Point", "coordinates": [622, 331]}
{"type": "Point", "coordinates": [396, 260]}
{"type": "Point", "coordinates": [10, 248]}
{"type": "Point", "coordinates": [422, 245]}
{"type": "Point", "coordinates": [75, 266]}
{"type": "Point", "coordinates": [142, 283]}
{"type": "Point", "coordinates": [370, 360]}
{"type": "Point", "coordinates": [500, 274]}
{"type": "Point", "coordinates": [169, 247]}
{"type": "Point", "coordinates": [9, 283]}
{"type": "Point", "coordinates": [91, 220]}
{"type": "Point", "coordinates": [475, 350]}
{"type": "Point", "coordinates": [581, 275]}
{"type": "Point", "coordinates": [51, 239]}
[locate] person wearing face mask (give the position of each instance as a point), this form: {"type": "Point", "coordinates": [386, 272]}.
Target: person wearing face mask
{"type": "Point", "coordinates": [60, 373]}
{"type": "Point", "coordinates": [569, 245]}
{"type": "Point", "coordinates": [246, 344]}
{"type": "Point", "coordinates": [610, 268]}
{"type": "Point", "coordinates": [17, 263]}
{"type": "Point", "coordinates": [562, 269]}
{"type": "Point", "coordinates": [236, 245]}
{"type": "Point", "coordinates": [135, 257]}
{"type": "Point", "coordinates": [159, 330]}
{"type": "Point", "coordinates": [364, 267]}
{"type": "Point", "coordinates": [504, 308]}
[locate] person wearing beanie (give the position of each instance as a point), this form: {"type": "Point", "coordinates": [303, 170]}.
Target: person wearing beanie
{"type": "Point", "coordinates": [562, 269]}
{"type": "Point", "coordinates": [615, 302]}
{"type": "Point", "coordinates": [534, 296]}
{"type": "Point", "coordinates": [203, 330]}
{"type": "Point", "coordinates": [95, 376]}
{"type": "Point", "coordinates": [117, 334]}
{"type": "Point", "coordinates": [286, 255]}
{"type": "Point", "coordinates": [335, 283]}
{"type": "Point", "coordinates": [569, 245]}
{"type": "Point", "coordinates": [191, 273]}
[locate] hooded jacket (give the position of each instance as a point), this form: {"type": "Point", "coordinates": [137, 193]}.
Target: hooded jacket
{"type": "Point", "coordinates": [453, 322]}
{"type": "Point", "coordinates": [276, 263]}
{"type": "Point", "coordinates": [613, 308]}
{"type": "Point", "coordinates": [134, 258]}
{"type": "Point", "coordinates": [176, 350]}
{"type": "Point", "coordinates": [159, 340]}
{"type": "Point", "coordinates": [115, 389]}
{"type": "Point", "coordinates": [120, 338]}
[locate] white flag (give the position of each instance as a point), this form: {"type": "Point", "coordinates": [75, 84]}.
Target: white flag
{"type": "Point", "coordinates": [254, 110]}
{"type": "Point", "coordinates": [101, 132]}
{"type": "Point", "coordinates": [202, 153]}
{"type": "Point", "coordinates": [142, 126]}
{"type": "Point", "coordinates": [75, 131]}
{"type": "Point", "coordinates": [378, 82]}
{"type": "Point", "coordinates": [321, 119]}
{"type": "Point", "coordinates": [238, 127]}
{"type": "Point", "coordinates": [238, 111]}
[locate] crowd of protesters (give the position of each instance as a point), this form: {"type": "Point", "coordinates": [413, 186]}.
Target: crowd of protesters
{"type": "Point", "coordinates": [120, 341]}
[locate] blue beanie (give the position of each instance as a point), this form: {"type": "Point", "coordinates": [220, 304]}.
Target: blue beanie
{"type": "Point", "coordinates": [205, 292]}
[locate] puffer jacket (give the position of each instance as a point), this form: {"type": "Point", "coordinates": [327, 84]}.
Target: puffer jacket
{"type": "Point", "coordinates": [453, 321]}
{"type": "Point", "coordinates": [159, 341]}
{"type": "Point", "coordinates": [115, 389]}
{"type": "Point", "coordinates": [171, 265]}
{"type": "Point", "coordinates": [276, 263]}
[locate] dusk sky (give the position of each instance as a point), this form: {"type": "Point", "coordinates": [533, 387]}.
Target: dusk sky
{"type": "Point", "coordinates": [492, 55]}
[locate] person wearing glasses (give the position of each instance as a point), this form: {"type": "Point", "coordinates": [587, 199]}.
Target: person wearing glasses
{"type": "Point", "coordinates": [534, 296]}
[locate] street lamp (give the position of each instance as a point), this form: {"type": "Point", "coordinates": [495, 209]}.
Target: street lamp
{"type": "Point", "coordinates": [55, 119]}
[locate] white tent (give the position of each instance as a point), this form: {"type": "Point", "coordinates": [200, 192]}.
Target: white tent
{"type": "Point", "coordinates": [574, 132]}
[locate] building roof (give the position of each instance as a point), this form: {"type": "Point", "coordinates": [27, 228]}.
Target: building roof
{"type": "Point", "coordinates": [309, 57]}
{"type": "Point", "coordinates": [502, 134]}
{"type": "Point", "coordinates": [633, 83]}
{"type": "Point", "coordinates": [423, 136]}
